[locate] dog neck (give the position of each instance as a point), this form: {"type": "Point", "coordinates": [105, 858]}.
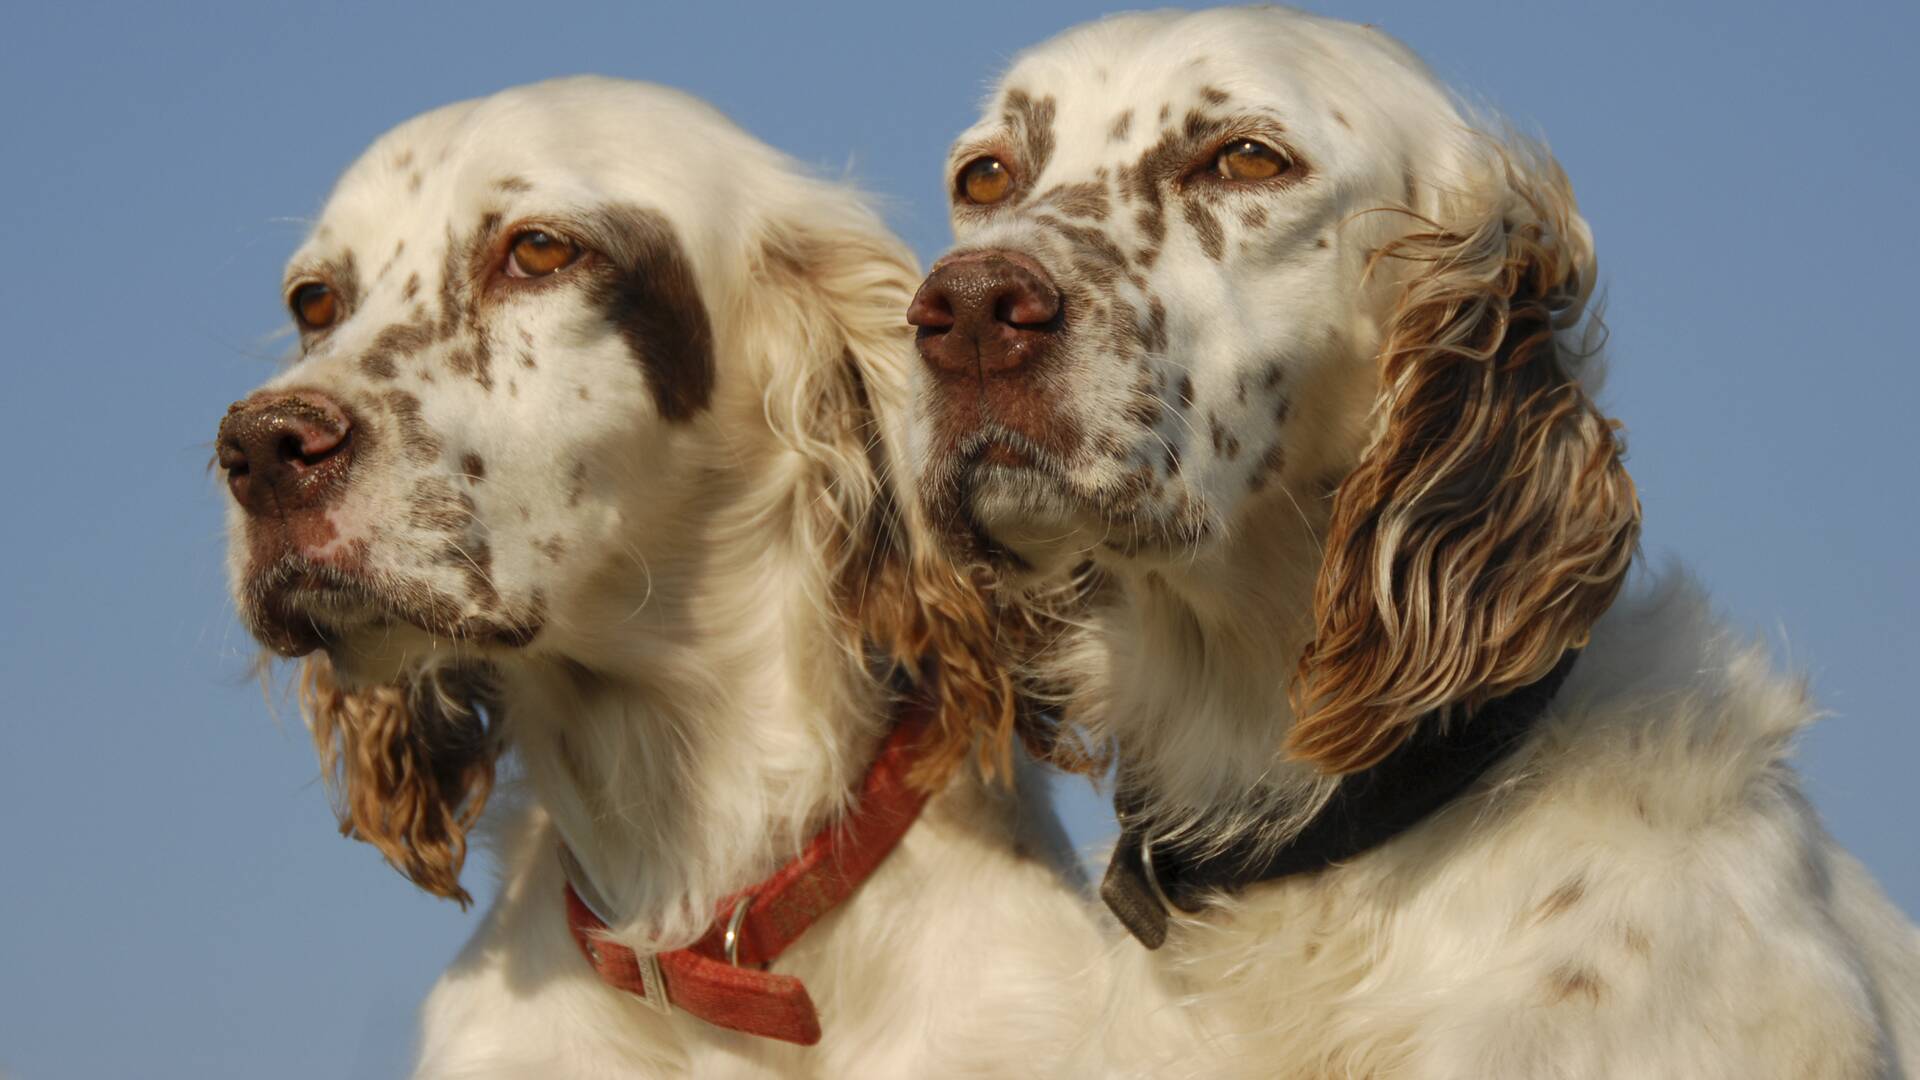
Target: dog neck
{"type": "Point", "coordinates": [699, 746]}
{"type": "Point", "coordinates": [1186, 668]}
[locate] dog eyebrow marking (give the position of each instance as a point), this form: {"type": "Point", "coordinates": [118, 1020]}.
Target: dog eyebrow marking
{"type": "Point", "coordinates": [1031, 124]}
{"type": "Point", "coordinates": [1214, 95]}
{"type": "Point", "coordinates": [651, 297]}
{"type": "Point", "coordinates": [512, 185]}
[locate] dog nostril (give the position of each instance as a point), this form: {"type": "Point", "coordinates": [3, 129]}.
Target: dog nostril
{"type": "Point", "coordinates": [1024, 307]}
{"type": "Point", "coordinates": [931, 310]}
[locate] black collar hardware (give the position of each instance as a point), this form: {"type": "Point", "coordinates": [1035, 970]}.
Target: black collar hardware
{"type": "Point", "coordinates": [1431, 769]}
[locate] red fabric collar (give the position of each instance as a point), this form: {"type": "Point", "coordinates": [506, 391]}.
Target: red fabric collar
{"type": "Point", "coordinates": [735, 991]}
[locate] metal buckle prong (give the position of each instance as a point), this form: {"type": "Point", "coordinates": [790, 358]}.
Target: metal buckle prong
{"type": "Point", "coordinates": [732, 937]}
{"type": "Point", "coordinates": [1153, 878]}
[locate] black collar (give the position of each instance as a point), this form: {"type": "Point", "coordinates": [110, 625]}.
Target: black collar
{"type": "Point", "coordinates": [1369, 808]}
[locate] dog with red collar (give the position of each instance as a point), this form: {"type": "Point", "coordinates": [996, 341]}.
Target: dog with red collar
{"type": "Point", "coordinates": [587, 464]}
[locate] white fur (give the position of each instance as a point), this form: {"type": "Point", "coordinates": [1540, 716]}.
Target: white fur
{"type": "Point", "coordinates": [1641, 891]}
{"type": "Point", "coordinates": [689, 713]}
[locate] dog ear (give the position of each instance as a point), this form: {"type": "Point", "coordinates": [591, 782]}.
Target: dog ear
{"type": "Point", "coordinates": [844, 409]}
{"type": "Point", "coordinates": [1491, 521]}
{"type": "Point", "coordinates": [408, 767]}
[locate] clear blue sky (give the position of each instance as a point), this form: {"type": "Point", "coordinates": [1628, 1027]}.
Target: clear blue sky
{"type": "Point", "coordinates": [173, 899]}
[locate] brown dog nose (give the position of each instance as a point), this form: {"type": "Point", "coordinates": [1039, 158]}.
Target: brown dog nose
{"type": "Point", "coordinates": [284, 452]}
{"type": "Point", "coordinates": [986, 312]}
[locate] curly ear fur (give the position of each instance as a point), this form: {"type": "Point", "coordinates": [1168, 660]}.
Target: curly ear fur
{"type": "Point", "coordinates": [409, 767]}
{"type": "Point", "coordinates": [846, 420]}
{"type": "Point", "coordinates": [1491, 521]}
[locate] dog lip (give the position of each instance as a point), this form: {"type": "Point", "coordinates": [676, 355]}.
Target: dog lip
{"type": "Point", "coordinates": [304, 606]}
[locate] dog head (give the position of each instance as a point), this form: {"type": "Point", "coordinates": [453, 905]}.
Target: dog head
{"type": "Point", "coordinates": [1248, 278]}
{"type": "Point", "coordinates": [551, 343]}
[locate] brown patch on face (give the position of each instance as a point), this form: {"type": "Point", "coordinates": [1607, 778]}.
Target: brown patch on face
{"type": "Point", "coordinates": [1166, 113]}
{"type": "Point", "coordinates": [576, 483]}
{"type": "Point", "coordinates": [1030, 123]}
{"type": "Point", "coordinates": [1121, 125]}
{"type": "Point", "coordinates": [433, 506]}
{"type": "Point", "coordinates": [394, 344]}
{"type": "Point", "coordinates": [1153, 224]}
{"type": "Point", "coordinates": [512, 185]}
{"type": "Point", "coordinates": [585, 394]}
{"type": "Point", "coordinates": [1088, 200]}
{"type": "Point", "coordinates": [1186, 391]}
{"type": "Point", "coordinates": [472, 465]}
{"type": "Point", "coordinates": [1254, 217]}
{"type": "Point", "coordinates": [1321, 242]}
{"type": "Point", "coordinates": [1272, 463]}
{"type": "Point", "coordinates": [412, 288]}
{"type": "Point", "coordinates": [1206, 226]}
{"type": "Point", "coordinates": [1213, 95]}
{"type": "Point", "coordinates": [1225, 443]}
{"type": "Point", "coordinates": [1570, 982]}
{"type": "Point", "coordinates": [474, 361]}
{"type": "Point", "coordinates": [1561, 900]}
{"type": "Point", "coordinates": [552, 547]}
{"type": "Point", "coordinates": [421, 444]}
{"type": "Point", "coordinates": [1153, 336]}
{"type": "Point", "coordinates": [651, 297]}
{"type": "Point", "coordinates": [1636, 941]}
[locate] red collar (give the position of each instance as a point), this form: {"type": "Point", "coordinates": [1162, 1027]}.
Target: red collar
{"type": "Point", "coordinates": [722, 978]}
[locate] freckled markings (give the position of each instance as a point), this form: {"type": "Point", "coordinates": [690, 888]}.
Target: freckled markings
{"type": "Point", "coordinates": [576, 483]}
{"type": "Point", "coordinates": [1085, 200]}
{"type": "Point", "coordinates": [396, 343]}
{"type": "Point", "coordinates": [420, 442]}
{"type": "Point", "coordinates": [1206, 227]}
{"type": "Point", "coordinates": [1121, 125]}
{"type": "Point", "coordinates": [473, 466]}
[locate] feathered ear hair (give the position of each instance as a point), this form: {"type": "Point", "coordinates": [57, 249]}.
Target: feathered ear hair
{"type": "Point", "coordinates": [408, 767]}
{"type": "Point", "coordinates": [1492, 520]}
{"type": "Point", "coordinates": [845, 412]}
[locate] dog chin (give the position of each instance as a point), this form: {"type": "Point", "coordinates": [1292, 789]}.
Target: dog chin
{"type": "Point", "coordinates": [1039, 525]}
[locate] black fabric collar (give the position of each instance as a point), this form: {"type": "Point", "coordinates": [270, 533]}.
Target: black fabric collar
{"type": "Point", "coordinates": [1369, 808]}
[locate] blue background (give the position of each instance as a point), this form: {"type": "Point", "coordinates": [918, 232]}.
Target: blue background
{"type": "Point", "coordinates": [173, 899]}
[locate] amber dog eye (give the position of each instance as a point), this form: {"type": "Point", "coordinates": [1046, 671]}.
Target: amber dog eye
{"type": "Point", "coordinates": [1245, 159]}
{"type": "Point", "coordinates": [314, 305]}
{"type": "Point", "coordinates": [536, 254]}
{"type": "Point", "coordinates": [985, 181]}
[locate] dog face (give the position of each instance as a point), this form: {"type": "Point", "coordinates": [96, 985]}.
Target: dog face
{"type": "Point", "coordinates": [1241, 291]}
{"type": "Point", "coordinates": [503, 318]}
{"type": "Point", "coordinates": [557, 347]}
{"type": "Point", "coordinates": [1173, 198]}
